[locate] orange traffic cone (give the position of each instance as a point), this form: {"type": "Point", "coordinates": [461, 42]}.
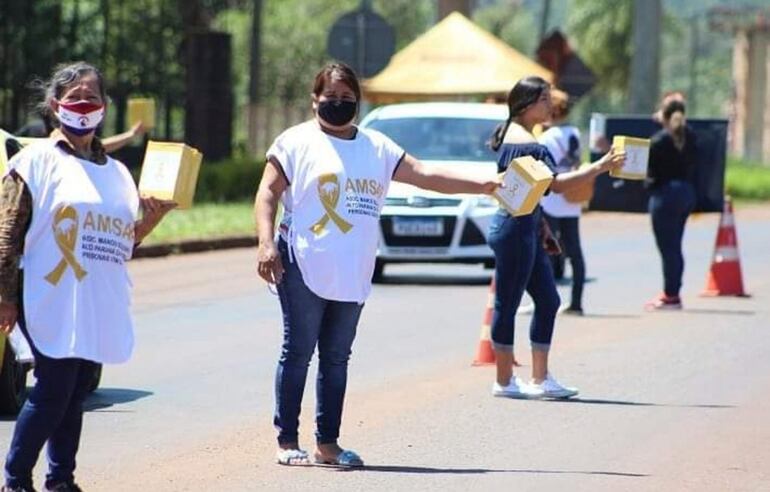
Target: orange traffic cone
{"type": "Point", "coordinates": [724, 278]}
{"type": "Point", "coordinates": [485, 354]}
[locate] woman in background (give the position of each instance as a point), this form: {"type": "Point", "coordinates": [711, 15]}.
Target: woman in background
{"type": "Point", "coordinates": [563, 142]}
{"type": "Point", "coordinates": [672, 197]}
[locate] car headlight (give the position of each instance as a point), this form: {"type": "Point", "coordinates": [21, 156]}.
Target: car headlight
{"type": "Point", "coordinates": [486, 201]}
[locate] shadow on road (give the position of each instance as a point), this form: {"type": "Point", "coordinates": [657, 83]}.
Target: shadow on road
{"type": "Point", "coordinates": [611, 316]}
{"type": "Point", "coordinates": [475, 471]}
{"type": "Point", "coordinates": [598, 401]}
{"type": "Point", "coordinates": [720, 311]}
{"type": "Point", "coordinates": [565, 281]}
{"type": "Point", "coordinates": [435, 280]}
{"type": "Point", "coordinates": [438, 279]}
{"type": "Point", "coordinates": [107, 397]}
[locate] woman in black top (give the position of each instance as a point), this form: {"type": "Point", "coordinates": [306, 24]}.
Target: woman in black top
{"type": "Point", "coordinates": [672, 197]}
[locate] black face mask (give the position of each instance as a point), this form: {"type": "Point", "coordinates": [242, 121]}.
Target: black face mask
{"type": "Point", "coordinates": [337, 113]}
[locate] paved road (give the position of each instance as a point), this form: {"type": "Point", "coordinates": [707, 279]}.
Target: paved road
{"type": "Point", "coordinates": [670, 401]}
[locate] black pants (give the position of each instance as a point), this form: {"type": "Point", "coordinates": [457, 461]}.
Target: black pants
{"type": "Point", "coordinates": [567, 230]}
{"type": "Point", "coordinates": [53, 413]}
{"type": "Point", "coordinates": [670, 205]}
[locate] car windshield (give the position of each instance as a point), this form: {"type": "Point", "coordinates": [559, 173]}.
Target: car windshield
{"type": "Point", "coordinates": [441, 139]}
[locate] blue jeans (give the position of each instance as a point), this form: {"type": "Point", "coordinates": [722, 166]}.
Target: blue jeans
{"type": "Point", "coordinates": [54, 413]}
{"type": "Point", "coordinates": [670, 204]}
{"type": "Point", "coordinates": [309, 320]}
{"type": "Point", "coordinates": [567, 229]}
{"type": "Point", "coordinates": [521, 264]}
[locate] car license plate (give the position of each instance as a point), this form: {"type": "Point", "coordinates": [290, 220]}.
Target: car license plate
{"type": "Point", "coordinates": [417, 227]}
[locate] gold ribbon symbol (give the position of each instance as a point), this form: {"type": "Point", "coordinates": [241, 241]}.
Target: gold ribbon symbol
{"type": "Point", "coordinates": [66, 239]}
{"type": "Point", "coordinates": [329, 193]}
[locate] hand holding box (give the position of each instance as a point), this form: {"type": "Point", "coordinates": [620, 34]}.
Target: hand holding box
{"type": "Point", "coordinates": [524, 183]}
{"type": "Point", "coordinates": [141, 109]}
{"type": "Point", "coordinates": [637, 155]}
{"type": "Point", "coordinates": [170, 172]}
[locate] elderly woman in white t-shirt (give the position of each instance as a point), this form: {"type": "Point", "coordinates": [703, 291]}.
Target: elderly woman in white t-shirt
{"type": "Point", "coordinates": [331, 178]}
{"type": "Point", "coordinates": [70, 214]}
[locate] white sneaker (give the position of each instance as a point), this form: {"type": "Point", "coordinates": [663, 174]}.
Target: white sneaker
{"type": "Point", "coordinates": [513, 390]}
{"type": "Point", "coordinates": [549, 388]}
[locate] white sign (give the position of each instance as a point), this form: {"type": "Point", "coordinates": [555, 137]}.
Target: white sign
{"type": "Point", "coordinates": [636, 159]}
{"type": "Point", "coordinates": [514, 190]}
{"type": "Point", "coordinates": [160, 171]}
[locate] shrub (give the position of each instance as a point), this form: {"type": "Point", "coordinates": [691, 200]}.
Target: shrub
{"type": "Point", "coordinates": [232, 180]}
{"type": "Point", "coordinates": [747, 180]}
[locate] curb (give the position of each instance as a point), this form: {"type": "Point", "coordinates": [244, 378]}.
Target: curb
{"type": "Point", "coordinates": [194, 246]}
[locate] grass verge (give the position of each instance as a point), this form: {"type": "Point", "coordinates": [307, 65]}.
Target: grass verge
{"type": "Point", "coordinates": [746, 180]}
{"type": "Point", "coordinates": [205, 221]}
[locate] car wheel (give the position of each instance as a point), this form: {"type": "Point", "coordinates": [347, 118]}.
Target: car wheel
{"type": "Point", "coordinates": [13, 383]}
{"type": "Point", "coordinates": [97, 377]}
{"type": "Point", "coordinates": [379, 271]}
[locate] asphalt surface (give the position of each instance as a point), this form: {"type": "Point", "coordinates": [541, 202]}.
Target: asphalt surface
{"type": "Point", "coordinates": [669, 401]}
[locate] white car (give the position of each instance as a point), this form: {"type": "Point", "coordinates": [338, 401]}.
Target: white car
{"type": "Point", "coordinates": [425, 226]}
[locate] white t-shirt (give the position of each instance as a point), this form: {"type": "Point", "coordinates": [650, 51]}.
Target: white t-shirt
{"type": "Point", "coordinates": [557, 139]}
{"type": "Point", "coordinates": [77, 295]}
{"type": "Point", "coordinates": [332, 206]}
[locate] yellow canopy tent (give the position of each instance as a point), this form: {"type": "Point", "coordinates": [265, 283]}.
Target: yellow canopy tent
{"type": "Point", "coordinates": [454, 58]}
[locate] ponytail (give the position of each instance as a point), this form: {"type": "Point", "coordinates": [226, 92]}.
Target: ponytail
{"type": "Point", "coordinates": [499, 134]}
{"type": "Point", "coordinates": [524, 94]}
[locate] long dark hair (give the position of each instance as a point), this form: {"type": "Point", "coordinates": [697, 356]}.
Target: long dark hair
{"type": "Point", "coordinates": [673, 107]}
{"type": "Point", "coordinates": [678, 131]}
{"type": "Point", "coordinates": [524, 94]}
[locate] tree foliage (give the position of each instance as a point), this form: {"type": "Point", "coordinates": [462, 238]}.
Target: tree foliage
{"type": "Point", "coordinates": [602, 33]}
{"type": "Point", "coordinates": [511, 22]}
{"type": "Point", "coordinates": [295, 35]}
{"type": "Point", "coordinates": [139, 45]}
{"type": "Point", "coordinates": [135, 43]}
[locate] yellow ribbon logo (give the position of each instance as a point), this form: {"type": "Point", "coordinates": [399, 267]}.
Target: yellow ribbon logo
{"type": "Point", "coordinates": [66, 240]}
{"type": "Point", "coordinates": [329, 193]}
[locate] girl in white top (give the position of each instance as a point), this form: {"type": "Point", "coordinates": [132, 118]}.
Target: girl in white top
{"type": "Point", "coordinates": [563, 216]}
{"type": "Point", "coordinates": [331, 177]}
{"type": "Point", "coordinates": [75, 302]}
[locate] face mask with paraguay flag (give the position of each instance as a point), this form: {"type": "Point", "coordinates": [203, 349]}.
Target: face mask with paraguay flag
{"type": "Point", "coordinates": [80, 117]}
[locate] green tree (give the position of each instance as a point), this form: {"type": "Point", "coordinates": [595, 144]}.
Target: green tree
{"type": "Point", "coordinates": [511, 22]}
{"type": "Point", "coordinates": [135, 43]}
{"type": "Point", "coordinates": [295, 34]}
{"type": "Point", "coordinates": [23, 25]}
{"type": "Point", "coordinates": [601, 30]}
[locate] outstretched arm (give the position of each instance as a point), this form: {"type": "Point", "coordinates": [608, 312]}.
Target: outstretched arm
{"type": "Point", "coordinates": [115, 142]}
{"type": "Point", "coordinates": [611, 160]}
{"type": "Point", "coordinates": [414, 172]}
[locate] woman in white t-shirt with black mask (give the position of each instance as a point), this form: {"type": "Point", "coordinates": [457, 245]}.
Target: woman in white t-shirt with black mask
{"type": "Point", "coordinates": [331, 178]}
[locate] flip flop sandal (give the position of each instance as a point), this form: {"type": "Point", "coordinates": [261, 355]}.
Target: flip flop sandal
{"type": "Point", "coordinates": [346, 459]}
{"type": "Point", "coordinates": [292, 457]}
